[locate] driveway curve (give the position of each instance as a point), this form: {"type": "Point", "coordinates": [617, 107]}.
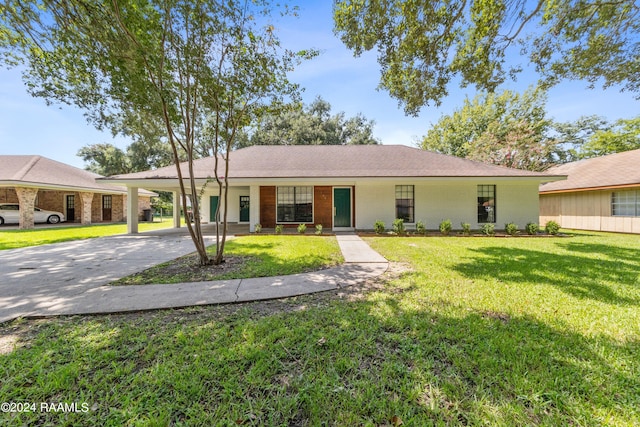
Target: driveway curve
{"type": "Point", "coordinates": [72, 277]}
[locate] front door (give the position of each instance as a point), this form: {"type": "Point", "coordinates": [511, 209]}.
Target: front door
{"type": "Point", "coordinates": [341, 207]}
{"type": "Point", "coordinates": [106, 208]}
{"type": "Point", "coordinates": [71, 208]}
{"type": "Point", "coordinates": [244, 208]}
{"type": "Point", "coordinates": [213, 207]}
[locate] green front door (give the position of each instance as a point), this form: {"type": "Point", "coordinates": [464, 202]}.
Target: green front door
{"type": "Point", "coordinates": [244, 208]}
{"type": "Point", "coordinates": [341, 207]}
{"type": "Point", "coordinates": [213, 206]}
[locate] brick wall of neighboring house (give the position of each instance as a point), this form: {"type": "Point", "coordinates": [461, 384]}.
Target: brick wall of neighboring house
{"type": "Point", "coordinates": [51, 200]}
{"type": "Point", "coordinates": [8, 195]}
{"type": "Point", "coordinates": [96, 208]}
{"type": "Point", "coordinates": [144, 202]}
{"type": "Point", "coordinates": [119, 208]}
{"type": "Point", "coordinates": [56, 201]}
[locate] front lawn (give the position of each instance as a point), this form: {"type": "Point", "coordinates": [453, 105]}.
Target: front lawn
{"type": "Point", "coordinates": [13, 239]}
{"type": "Point", "coordinates": [247, 256]}
{"type": "Point", "coordinates": [474, 331]}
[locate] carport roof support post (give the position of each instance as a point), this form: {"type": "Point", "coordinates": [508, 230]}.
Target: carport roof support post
{"type": "Point", "coordinates": [26, 199]}
{"type": "Point", "coordinates": [132, 210]}
{"type": "Point", "coordinates": [87, 198]}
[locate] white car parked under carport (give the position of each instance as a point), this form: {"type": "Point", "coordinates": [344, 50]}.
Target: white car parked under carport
{"type": "Point", "coordinates": [10, 214]}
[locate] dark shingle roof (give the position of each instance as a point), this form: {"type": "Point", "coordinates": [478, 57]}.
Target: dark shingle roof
{"type": "Point", "coordinates": [40, 171]}
{"type": "Point", "coordinates": [337, 161]}
{"type": "Point", "coordinates": [614, 170]}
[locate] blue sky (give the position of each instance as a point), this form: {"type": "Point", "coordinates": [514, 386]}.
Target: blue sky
{"type": "Point", "coordinates": [29, 126]}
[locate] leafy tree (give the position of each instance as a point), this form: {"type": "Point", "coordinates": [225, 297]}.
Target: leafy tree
{"type": "Point", "coordinates": [310, 125]}
{"type": "Point", "coordinates": [105, 159]}
{"type": "Point", "coordinates": [507, 129]}
{"type": "Point", "coordinates": [517, 145]}
{"type": "Point", "coordinates": [199, 67]}
{"type": "Point", "coordinates": [424, 45]}
{"type": "Point", "coordinates": [624, 135]}
{"type": "Point", "coordinates": [572, 136]}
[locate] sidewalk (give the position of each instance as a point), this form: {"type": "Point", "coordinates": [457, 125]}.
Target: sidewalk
{"type": "Point", "coordinates": [75, 279]}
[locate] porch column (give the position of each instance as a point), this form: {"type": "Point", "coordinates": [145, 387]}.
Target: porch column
{"type": "Point", "coordinates": [27, 200]}
{"type": "Point", "coordinates": [87, 199]}
{"type": "Point", "coordinates": [254, 207]}
{"type": "Point", "coordinates": [132, 210]}
{"type": "Point", "coordinates": [176, 209]}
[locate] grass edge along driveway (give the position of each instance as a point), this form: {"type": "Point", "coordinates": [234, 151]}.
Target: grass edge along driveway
{"type": "Point", "coordinates": [475, 331]}
{"type": "Point", "coordinates": [14, 239]}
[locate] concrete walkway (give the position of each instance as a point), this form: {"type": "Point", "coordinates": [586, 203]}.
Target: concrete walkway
{"type": "Point", "coordinates": [72, 277]}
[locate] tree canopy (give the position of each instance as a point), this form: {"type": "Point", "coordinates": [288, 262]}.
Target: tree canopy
{"type": "Point", "coordinates": [623, 135]}
{"type": "Point", "coordinates": [424, 45]}
{"type": "Point", "coordinates": [508, 129]}
{"type": "Point", "coordinates": [310, 125]}
{"type": "Point", "coordinates": [202, 68]}
{"type": "Point", "coordinates": [513, 130]}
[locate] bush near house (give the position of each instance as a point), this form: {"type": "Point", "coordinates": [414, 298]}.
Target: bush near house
{"type": "Point", "coordinates": [511, 229]}
{"type": "Point", "coordinates": [532, 228]}
{"type": "Point", "coordinates": [552, 228]}
{"type": "Point", "coordinates": [398, 227]}
{"type": "Point", "coordinates": [446, 227]}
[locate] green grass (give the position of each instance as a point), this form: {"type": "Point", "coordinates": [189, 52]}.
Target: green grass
{"type": "Point", "coordinates": [477, 331]}
{"type": "Point", "coordinates": [262, 256]}
{"type": "Point", "coordinates": [13, 239]}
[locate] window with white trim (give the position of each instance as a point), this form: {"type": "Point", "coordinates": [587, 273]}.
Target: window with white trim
{"type": "Point", "coordinates": [295, 204]}
{"type": "Point", "coordinates": [625, 203]}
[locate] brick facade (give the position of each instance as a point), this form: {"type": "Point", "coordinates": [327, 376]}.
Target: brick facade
{"type": "Point", "coordinates": [53, 200]}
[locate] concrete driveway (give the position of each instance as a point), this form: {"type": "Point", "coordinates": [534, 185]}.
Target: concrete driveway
{"type": "Point", "coordinates": [36, 278]}
{"type": "Point", "coordinates": [70, 277]}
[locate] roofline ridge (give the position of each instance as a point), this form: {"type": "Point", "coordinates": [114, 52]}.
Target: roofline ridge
{"type": "Point", "coordinates": [26, 168]}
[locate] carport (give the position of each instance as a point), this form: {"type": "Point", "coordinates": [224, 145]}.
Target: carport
{"type": "Point", "coordinates": [56, 186]}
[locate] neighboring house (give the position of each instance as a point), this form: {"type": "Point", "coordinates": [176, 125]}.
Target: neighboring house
{"type": "Point", "coordinates": [350, 187]}
{"type": "Point", "coordinates": [600, 194]}
{"type": "Point", "coordinates": [51, 185]}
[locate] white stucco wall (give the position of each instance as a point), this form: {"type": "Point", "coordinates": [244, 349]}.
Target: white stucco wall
{"type": "Point", "coordinates": [438, 200]}
{"type": "Point", "coordinates": [233, 214]}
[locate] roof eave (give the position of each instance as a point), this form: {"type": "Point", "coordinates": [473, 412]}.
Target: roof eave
{"type": "Point", "coordinates": [55, 187]}
{"type": "Point", "coordinates": [598, 188]}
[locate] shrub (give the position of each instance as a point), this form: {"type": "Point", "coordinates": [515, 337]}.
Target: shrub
{"type": "Point", "coordinates": [379, 227]}
{"type": "Point", "coordinates": [552, 228]}
{"type": "Point", "coordinates": [511, 229]}
{"type": "Point", "coordinates": [302, 228]}
{"type": "Point", "coordinates": [488, 229]}
{"type": "Point", "coordinates": [531, 228]}
{"type": "Point", "coordinates": [420, 227]}
{"type": "Point", "coordinates": [445, 227]}
{"type": "Point", "coordinates": [398, 227]}
{"type": "Point", "coordinates": [466, 228]}
{"type": "Point", "coordinates": [258, 228]}
{"type": "Point", "coordinates": [318, 229]}
{"type": "Point", "coordinates": [279, 229]}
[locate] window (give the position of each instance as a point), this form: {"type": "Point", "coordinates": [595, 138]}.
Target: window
{"type": "Point", "coordinates": [486, 203]}
{"type": "Point", "coordinates": [106, 202]}
{"type": "Point", "coordinates": [625, 203]}
{"type": "Point", "coordinates": [295, 204]}
{"type": "Point", "coordinates": [404, 203]}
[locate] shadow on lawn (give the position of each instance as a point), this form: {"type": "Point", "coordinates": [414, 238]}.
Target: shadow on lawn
{"type": "Point", "coordinates": [599, 276]}
{"type": "Point", "coordinates": [343, 363]}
